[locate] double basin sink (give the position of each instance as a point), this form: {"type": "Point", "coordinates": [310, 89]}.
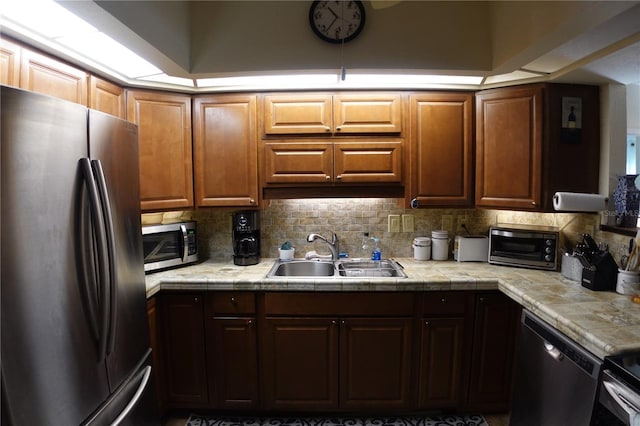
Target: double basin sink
{"type": "Point", "coordinates": [343, 268]}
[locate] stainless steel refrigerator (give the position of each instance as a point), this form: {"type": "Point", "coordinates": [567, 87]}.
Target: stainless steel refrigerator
{"type": "Point", "coordinates": [75, 338]}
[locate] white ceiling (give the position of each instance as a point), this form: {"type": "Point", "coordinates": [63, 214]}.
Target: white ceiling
{"type": "Point", "coordinates": [590, 42]}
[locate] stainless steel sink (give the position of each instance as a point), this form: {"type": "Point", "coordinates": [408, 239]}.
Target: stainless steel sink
{"type": "Point", "coordinates": [386, 268]}
{"type": "Point", "coordinates": [302, 268]}
{"type": "Point", "coordinates": [344, 268]}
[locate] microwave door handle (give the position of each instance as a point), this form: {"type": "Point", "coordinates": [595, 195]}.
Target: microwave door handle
{"type": "Point", "coordinates": [185, 243]}
{"type": "Point", "coordinates": [101, 246]}
{"type": "Point", "coordinates": [111, 244]}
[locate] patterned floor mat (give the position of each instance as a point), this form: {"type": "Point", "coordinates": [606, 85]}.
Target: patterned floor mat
{"type": "Point", "coordinates": [197, 420]}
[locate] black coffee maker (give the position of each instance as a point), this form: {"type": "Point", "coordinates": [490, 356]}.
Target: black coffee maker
{"type": "Point", "coordinates": [246, 238]}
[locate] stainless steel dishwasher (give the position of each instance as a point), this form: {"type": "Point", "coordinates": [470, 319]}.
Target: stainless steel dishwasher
{"type": "Point", "coordinates": [556, 380]}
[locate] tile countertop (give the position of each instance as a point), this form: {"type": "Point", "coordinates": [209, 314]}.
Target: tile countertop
{"type": "Point", "coordinates": [604, 323]}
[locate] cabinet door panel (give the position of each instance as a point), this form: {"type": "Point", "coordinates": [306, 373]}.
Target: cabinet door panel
{"type": "Point", "coordinates": [184, 351]}
{"type": "Point", "coordinates": [441, 362]}
{"type": "Point", "coordinates": [106, 97]}
{"type": "Point", "coordinates": [225, 151]}
{"type": "Point", "coordinates": [441, 149]}
{"type": "Point", "coordinates": [294, 380]}
{"type": "Point", "coordinates": [368, 162]}
{"type": "Point", "coordinates": [289, 162]}
{"type": "Point", "coordinates": [297, 114]}
{"type": "Point", "coordinates": [509, 149]}
{"type": "Point", "coordinates": [492, 358]}
{"type": "Point", "coordinates": [375, 363]}
{"type": "Point", "coordinates": [164, 136]}
{"type": "Point", "coordinates": [39, 73]}
{"type": "Point", "coordinates": [233, 362]}
{"type": "Point", "coordinates": [367, 113]}
{"type": "Point", "coordinates": [9, 63]}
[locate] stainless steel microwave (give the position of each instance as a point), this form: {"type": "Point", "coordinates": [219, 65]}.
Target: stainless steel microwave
{"type": "Point", "coordinates": [527, 246]}
{"type": "Point", "coordinates": [169, 245]}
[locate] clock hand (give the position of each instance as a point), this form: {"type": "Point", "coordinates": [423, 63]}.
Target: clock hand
{"type": "Point", "coordinates": [332, 12]}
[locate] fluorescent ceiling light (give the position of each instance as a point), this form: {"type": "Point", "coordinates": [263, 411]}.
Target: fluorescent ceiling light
{"type": "Point", "coordinates": [164, 78]}
{"type": "Point", "coordinates": [62, 29]}
{"type": "Point", "coordinates": [275, 81]}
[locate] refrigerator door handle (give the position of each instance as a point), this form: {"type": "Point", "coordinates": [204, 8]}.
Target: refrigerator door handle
{"type": "Point", "coordinates": [111, 244]}
{"type": "Point", "coordinates": [146, 374]}
{"type": "Point", "coordinates": [185, 243]}
{"type": "Point", "coordinates": [102, 253]}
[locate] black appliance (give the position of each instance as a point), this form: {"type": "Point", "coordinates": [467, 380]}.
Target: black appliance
{"type": "Point", "coordinates": [556, 379]}
{"type": "Point", "coordinates": [526, 246]}
{"type": "Point", "coordinates": [246, 238]}
{"type": "Point", "coordinates": [619, 395]}
{"type": "Point", "coordinates": [75, 340]}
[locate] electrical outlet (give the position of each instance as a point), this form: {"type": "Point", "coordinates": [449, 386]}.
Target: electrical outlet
{"type": "Point", "coordinates": [447, 222]}
{"type": "Point", "coordinates": [407, 223]}
{"type": "Point", "coordinates": [460, 228]}
{"type": "Point", "coordinates": [394, 222]}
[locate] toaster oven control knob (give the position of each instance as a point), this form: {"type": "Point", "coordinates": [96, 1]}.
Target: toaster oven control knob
{"type": "Point", "coordinates": [548, 250]}
{"type": "Point", "coordinates": [548, 258]}
{"type": "Point", "coordinates": [549, 243]}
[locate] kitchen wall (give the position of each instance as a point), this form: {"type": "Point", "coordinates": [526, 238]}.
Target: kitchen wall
{"type": "Point", "coordinates": [292, 220]}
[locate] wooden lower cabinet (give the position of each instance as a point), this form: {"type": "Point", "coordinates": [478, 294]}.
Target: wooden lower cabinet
{"type": "Point", "coordinates": [183, 337]}
{"type": "Point", "coordinates": [492, 359]}
{"type": "Point", "coordinates": [331, 352]}
{"type": "Point", "coordinates": [375, 363]}
{"type": "Point", "coordinates": [232, 355]}
{"type": "Point", "coordinates": [300, 363]}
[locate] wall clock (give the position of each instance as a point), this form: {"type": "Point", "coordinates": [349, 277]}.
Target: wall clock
{"type": "Point", "coordinates": [337, 21]}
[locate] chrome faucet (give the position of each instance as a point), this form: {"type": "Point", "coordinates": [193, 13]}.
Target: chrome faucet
{"type": "Point", "coordinates": [334, 245]}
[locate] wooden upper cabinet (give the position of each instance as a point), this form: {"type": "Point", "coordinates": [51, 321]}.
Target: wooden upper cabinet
{"type": "Point", "coordinates": [306, 113]}
{"type": "Point", "coordinates": [106, 97]}
{"type": "Point", "coordinates": [509, 148]}
{"type": "Point", "coordinates": [298, 162]}
{"type": "Point", "coordinates": [226, 151]}
{"type": "Point", "coordinates": [42, 74]}
{"type": "Point", "coordinates": [9, 63]}
{"type": "Point", "coordinates": [164, 135]}
{"type": "Point", "coordinates": [368, 162]}
{"type": "Point", "coordinates": [297, 114]}
{"type": "Point", "coordinates": [441, 151]}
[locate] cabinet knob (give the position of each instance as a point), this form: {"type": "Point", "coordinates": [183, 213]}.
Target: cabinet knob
{"type": "Point", "coordinates": [339, 177]}
{"type": "Point", "coordinates": [342, 322]}
{"type": "Point", "coordinates": [333, 322]}
{"type": "Point", "coordinates": [338, 128]}
{"type": "Point", "coordinates": [327, 128]}
{"type": "Point", "coordinates": [481, 299]}
{"type": "Point", "coordinates": [327, 177]}
{"type": "Point", "coordinates": [533, 203]}
{"type": "Point", "coordinates": [252, 201]}
{"type": "Point", "coordinates": [233, 300]}
{"type": "Point", "coordinates": [426, 323]}
{"type": "Point", "coordinates": [195, 299]}
{"type": "Point", "coordinates": [250, 322]}
{"type": "Point", "coordinates": [415, 204]}
{"type": "Point", "coordinates": [443, 300]}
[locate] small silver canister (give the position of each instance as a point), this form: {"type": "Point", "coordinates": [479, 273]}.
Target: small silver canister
{"type": "Point", "coordinates": [571, 267]}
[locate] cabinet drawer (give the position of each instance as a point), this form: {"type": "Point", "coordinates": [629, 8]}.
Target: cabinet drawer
{"type": "Point", "coordinates": [231, 303]}
{"type": "Point", "coordinates": [339, 304]}
{"type": "Point", "coordinates": [445, 303]}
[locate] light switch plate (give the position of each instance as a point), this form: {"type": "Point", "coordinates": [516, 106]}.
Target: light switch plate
{"type": "Point", "coordinates": [394, 223]}
{"type": "Point", "coordinates": [407, 223]}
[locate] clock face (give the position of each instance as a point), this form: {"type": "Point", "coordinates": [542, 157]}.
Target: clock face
{"type": "Point", "coordinates": [337, 21]}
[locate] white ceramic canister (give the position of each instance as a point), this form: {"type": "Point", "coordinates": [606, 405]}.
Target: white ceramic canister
{"type": "Point", "coordinates": [421, 248]}
{"type": "Point", "coordinates": [440, 245]}
{"type": "Point", "coordinates": [628, 282]}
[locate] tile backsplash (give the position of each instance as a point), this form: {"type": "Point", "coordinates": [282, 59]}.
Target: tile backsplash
{"type": "Point", "coordinates": [293, 220]}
